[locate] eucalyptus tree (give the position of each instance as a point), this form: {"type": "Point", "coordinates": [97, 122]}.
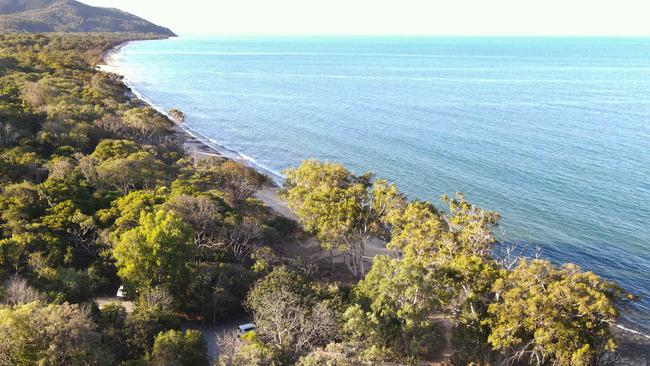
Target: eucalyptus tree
{"type": "Point", "coordinates": [343, 210]}
{"type": "Point", "coordinates": [548, 315]}
{"type": "Point", "coordinates": [38, 334]}
{"type": "Point", "coordinates": [441, 267]}
{"type": "Point", "coordinates": [156, 252]}
{"type": "Point", "coordinates": [292, 316]}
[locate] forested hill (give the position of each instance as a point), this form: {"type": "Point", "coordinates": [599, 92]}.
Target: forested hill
{"type": "Point", "coordinates": [70, 16]}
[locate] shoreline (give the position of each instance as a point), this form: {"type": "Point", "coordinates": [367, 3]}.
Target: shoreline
{"type": "Point", "coordinates": [197, 146]}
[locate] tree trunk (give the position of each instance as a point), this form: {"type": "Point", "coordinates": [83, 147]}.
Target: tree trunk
{"type": "Point", "coordinates": [363, 270]}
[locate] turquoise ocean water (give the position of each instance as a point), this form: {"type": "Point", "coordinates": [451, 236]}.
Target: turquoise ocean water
{"type": "Point", "coordinates": [553, 133]}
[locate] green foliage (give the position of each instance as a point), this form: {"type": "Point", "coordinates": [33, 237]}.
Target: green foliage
{"type": "Point", "coordinates": [83, 195]}
{"type": "Point", "coordinates": [142, 327]}
{"type": "Point", "coordinates": [67, 220]}
{"type": "Point", "coordinates": [341, 209]}
{"type": "Point", "coordinates": [17, 120]}
{"type": "Point", "coordinates": [20, 163]}
{"type": "Point", "coordinates": [449, 253]}
{"type": "Point", "coordinates": [20, 204]}
{"type": "Point", "coordinates": [124, 213]}
{"type": "Point", "coordinates": [86, 196]}
{"type": "Point", "coordinates": [14, 251]}
{"type": "Point", "coordinates": [443, 266]}
{"type": "Point", "coordinates": [147, 121]}
{"type": "Point", "coordinates": [155, 253]}
{"type": "Point", "coordinates": [550, 315]}
{"type": "Point", "coordinates": [32, 334]}
{"type": "Point", "coordinates": [57, 218]}
{"type": "Point", "coordinates": [334, 354]}
{"type": "Point", "coordinates": [244, 351]}
{"type": "Point", "coordinates": [65, 284]}
{"type": "Point", "coordinates": [140, 170]}
{"type": "Point", "coordinates": [71, 187]}
{"type": "Point", "coordinates": [217, 290]}
{"type": "Point", "coordinates": [132, 336]}
{"type": "Point", "coordinates": [325, 199]}
{"type": "Point", "coordinates": [395, 307]}
{"type": "Point", "coordinates": [179, 348]}
{"type": "Point", "coordinates": [234, 181]}
{"type": "Point", "coordinates": [238, 181]}
{"type": "Point", "coordinates": [111, 321]}
{"type": "Point", "coordinates": [114, 149]}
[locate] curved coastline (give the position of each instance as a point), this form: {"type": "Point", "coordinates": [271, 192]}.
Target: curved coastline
{"type": "Point", "coordinates": [198, 144]}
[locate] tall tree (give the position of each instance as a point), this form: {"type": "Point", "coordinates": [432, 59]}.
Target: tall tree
{"type": "Point", "coordinates": [545, 315]}
{"type": "Point", "coordinates": [157, 252]}
{"type": "Point", "coordinates": [392, 316]}
{"type": "Point", "coordinates": [343, 210]}
{"type": "Point", "coordinates": [442, 266]}
{"type": "Point", "coordinates": [147, 121]}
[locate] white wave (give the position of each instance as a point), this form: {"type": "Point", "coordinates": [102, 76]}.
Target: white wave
{"type": "Point", "coordinates": [632, 331]}
{"type": "Point", "coordinates": [220, 148]}
{"type": "Point", "coordinates": [317, 54]}
{"type": "Point", "coordinates": [276, 75]}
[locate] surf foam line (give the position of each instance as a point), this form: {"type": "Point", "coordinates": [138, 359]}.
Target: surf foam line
{"type": "Point", "coordinates": [216, 146]}
{"type": "Point", "coordinates": [636, 332]}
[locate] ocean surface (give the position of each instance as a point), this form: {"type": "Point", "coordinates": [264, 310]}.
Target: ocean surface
{"type": "Point", "coordinates": [553, 133]}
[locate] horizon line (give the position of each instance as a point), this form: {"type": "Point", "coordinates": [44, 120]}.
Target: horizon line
{"type": "Point", "coordinates": [441, 35]}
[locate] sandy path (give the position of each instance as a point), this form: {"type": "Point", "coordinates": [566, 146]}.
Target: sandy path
{"type": "Point", "coordinates": [268, 195]}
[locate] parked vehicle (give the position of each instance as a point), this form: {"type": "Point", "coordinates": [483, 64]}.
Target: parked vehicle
{"type": "Point", "coordinates": [245, 328]}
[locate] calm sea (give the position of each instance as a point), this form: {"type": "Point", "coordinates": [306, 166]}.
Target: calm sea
{"type": "Point", "coordinates": [553, 133]}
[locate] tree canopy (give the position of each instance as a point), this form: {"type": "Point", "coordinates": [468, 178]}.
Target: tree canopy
{"type": "Point", "coordinates": [97, 193]}
{"type": "Point", "coordinates": [155, 253]}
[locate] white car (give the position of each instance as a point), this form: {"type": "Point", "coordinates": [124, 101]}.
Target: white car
{"type": "Point", "coordinates": [120, 292]}
{"type": "Point", "coordinates": [245, 328]}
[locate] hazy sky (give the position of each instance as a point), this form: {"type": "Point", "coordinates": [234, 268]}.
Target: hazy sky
{"type": "Point", "coordinates": [439, 17]}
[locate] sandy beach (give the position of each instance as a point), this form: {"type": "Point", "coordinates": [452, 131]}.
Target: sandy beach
{"type": "Point", "coordinates": [198, 147]}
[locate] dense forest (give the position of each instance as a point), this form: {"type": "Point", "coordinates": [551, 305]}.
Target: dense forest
{"type": "Point", "coordinates": [97, 193]}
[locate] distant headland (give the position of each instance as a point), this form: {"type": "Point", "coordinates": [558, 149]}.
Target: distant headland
{"type": "Point", "coordinates": [42, 16]}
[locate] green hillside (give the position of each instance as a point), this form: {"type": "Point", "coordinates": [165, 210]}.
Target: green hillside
{"type": "Point", "coordinates": [70, 16]}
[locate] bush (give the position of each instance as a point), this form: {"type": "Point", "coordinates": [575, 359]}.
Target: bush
{"type": "Point", "coordinates": [142, 327]}
{"type": "Point", "coordinates": [33, 334]}
{"type": "Point", "coordinates": [112, 320]}
{"type": "Point", "coordinates": [179, 348]}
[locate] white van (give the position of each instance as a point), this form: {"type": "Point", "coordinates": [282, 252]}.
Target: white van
{"type": "Point", "coordinates": [245, 328]}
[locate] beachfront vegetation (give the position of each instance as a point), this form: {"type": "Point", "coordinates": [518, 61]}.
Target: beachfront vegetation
{"type": "Point", "coordinates": [97, 193]}
{"type": "Point", "coordinates": [343, 210]}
